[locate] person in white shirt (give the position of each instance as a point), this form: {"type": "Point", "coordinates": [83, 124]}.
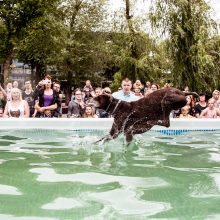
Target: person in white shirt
{"type": "Point", "coordinates": [125, 93]}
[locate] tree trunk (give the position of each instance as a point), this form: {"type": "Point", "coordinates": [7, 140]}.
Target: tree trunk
{"type": "Point", "coordinates": [133, 46]}
{"type": "Point", "coordinates": [6, 67]}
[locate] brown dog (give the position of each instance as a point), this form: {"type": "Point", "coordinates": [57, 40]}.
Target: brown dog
{"type": "Point", "coordinates": [140, 116]}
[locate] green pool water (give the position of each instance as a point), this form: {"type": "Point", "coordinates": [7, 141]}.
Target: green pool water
{"type": "Point", "coordinates": [47, 174]}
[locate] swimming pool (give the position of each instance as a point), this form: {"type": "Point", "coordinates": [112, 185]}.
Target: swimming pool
{"type": "Point", "coordinates": [55, 173]}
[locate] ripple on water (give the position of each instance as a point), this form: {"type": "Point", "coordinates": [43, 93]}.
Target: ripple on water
{"type": "Point", "coordinates": [10, 217]}
{"type": "Point", "coordinates": [216, 177]}
{"type": "Point", "coordinates": [6, 143]}
{"type": "Point", "coordinates": [125, 202]}
{"type": "Point", "coordinates": [11, 138]}
{"type": "Point", "coordinates": [9, 190]}
{"type": "Point", "coordinates": [215, 157]}
{"type": "Point", "coordinates": [49, 175]}
{"type": "Point", "coordinates": [62, 204]}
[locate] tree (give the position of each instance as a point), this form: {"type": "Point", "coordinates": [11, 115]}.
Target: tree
{"type": "Point", "coordinates": [15, 16]}
{"type": "Point", "coordinates": [188, 26]}
{"type": "Point", "coordinates": [83, 54]}
{"type": "Point", "coordinates": [138, 55]}
{"type": "Point", "coordinates": [42, 44]}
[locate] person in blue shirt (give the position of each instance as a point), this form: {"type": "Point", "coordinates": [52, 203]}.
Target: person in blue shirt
{"type": "Point", "coordinates": [125, 93]}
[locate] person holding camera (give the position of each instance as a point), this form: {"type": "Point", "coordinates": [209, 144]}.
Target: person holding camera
{"type": "Point", "coordinates": [47, 99]}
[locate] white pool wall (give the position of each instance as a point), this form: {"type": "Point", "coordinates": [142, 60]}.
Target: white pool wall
{"type": "Point", "coordinates": [100, 124]}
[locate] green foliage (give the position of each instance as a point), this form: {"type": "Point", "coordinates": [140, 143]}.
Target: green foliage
{"type": "Point", "coordinates": [84, 49]}
{"type": "Point", "coordinates": [15, 16]}
{"type": "Point", "coordinates": [189, 28]}
{"type": "Point", "coordinates": [117, 81]}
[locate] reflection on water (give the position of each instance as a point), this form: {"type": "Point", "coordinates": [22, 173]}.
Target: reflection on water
{"type": "Point", "coordinates": [62, 175]}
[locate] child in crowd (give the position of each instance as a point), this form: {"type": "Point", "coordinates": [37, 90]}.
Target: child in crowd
{"type": "Point", "coordinates": [185, 112]}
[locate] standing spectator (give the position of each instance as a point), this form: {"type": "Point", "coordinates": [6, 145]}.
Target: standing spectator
{"type": "Point", "coordinates": [1, 112]}
{"type": "Point", "coordinates": [125, 94]}
{"type": "Point", "coordinates": [15, 84]}
{"type": "Point", "coordinates": [154, 87]}
{"type": "Point", "coordinates": [8, 91]}
{"type": "Point", "coordinates": [88, 89]}
{"type": "Point", "coordinates": [89, 112]}
{"type": "Point", "coordinates": [139, 85]}
{"type": "Point", "coordinates": [98, 91]}
{"type": "Point", "coordinates": [27, 95]}
{"type": "Point", "coordinates": [48, 100]}
{"type": "Point", "coordinates": [137, 92]}
{"type": "Point", "coordinates": [76, 106]}
{"type": "Point", "coordinates": [186, 89]}
{"type": "Point", "coordinates": [16, 107]}
{"type": "Point", "coordinates": [88, 94]}
{"type": "Point", "coordinates": [3, 91]}
{"type": "Point", "coordinates": [101, 113]}
{"type": "Point", "coordinates": [107, 90]}
{"type": "Point", "coordinates": [56, 88]}
{"type": "Point", "coordinates": [2, 100]}
{"type": "Point", "coordinates": [147, 86]}
{"type": "Point", "coordinates": [201, 105]}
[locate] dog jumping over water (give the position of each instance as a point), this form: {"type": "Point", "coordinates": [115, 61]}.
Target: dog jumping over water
{"type": "Point", "coordinates": [140, 116]}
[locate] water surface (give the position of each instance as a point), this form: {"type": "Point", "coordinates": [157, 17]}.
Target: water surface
{"type": "Point", "coordinates": [47, 174]}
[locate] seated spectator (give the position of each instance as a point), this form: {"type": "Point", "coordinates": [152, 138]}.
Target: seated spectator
{"type": "Point", "coordinates": [76, 106]}
{"type": "Point", "coordinates": [48, 100]}
{"type": "Point", "coordinates": [211, 111]}
{"type": "Point", "coordinates": [191, 104]}
{"type": "Point", "coordinates": [89, 112]}
{"type": "Point", "coordinates": [185, 112]}
{"type": "Point", "coordinates": [16, 108]}
{"type": "Point", "coordinates": [215, 98]}
{"type": "Point", "coordinates": [201, 105]}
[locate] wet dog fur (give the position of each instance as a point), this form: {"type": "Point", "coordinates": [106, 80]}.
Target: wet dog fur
{"type": "Point", "coordinates": [140, 116]}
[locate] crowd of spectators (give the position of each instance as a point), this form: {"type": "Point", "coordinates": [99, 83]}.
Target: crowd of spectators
{"type": "Point", "coordinates": [45, 100]}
